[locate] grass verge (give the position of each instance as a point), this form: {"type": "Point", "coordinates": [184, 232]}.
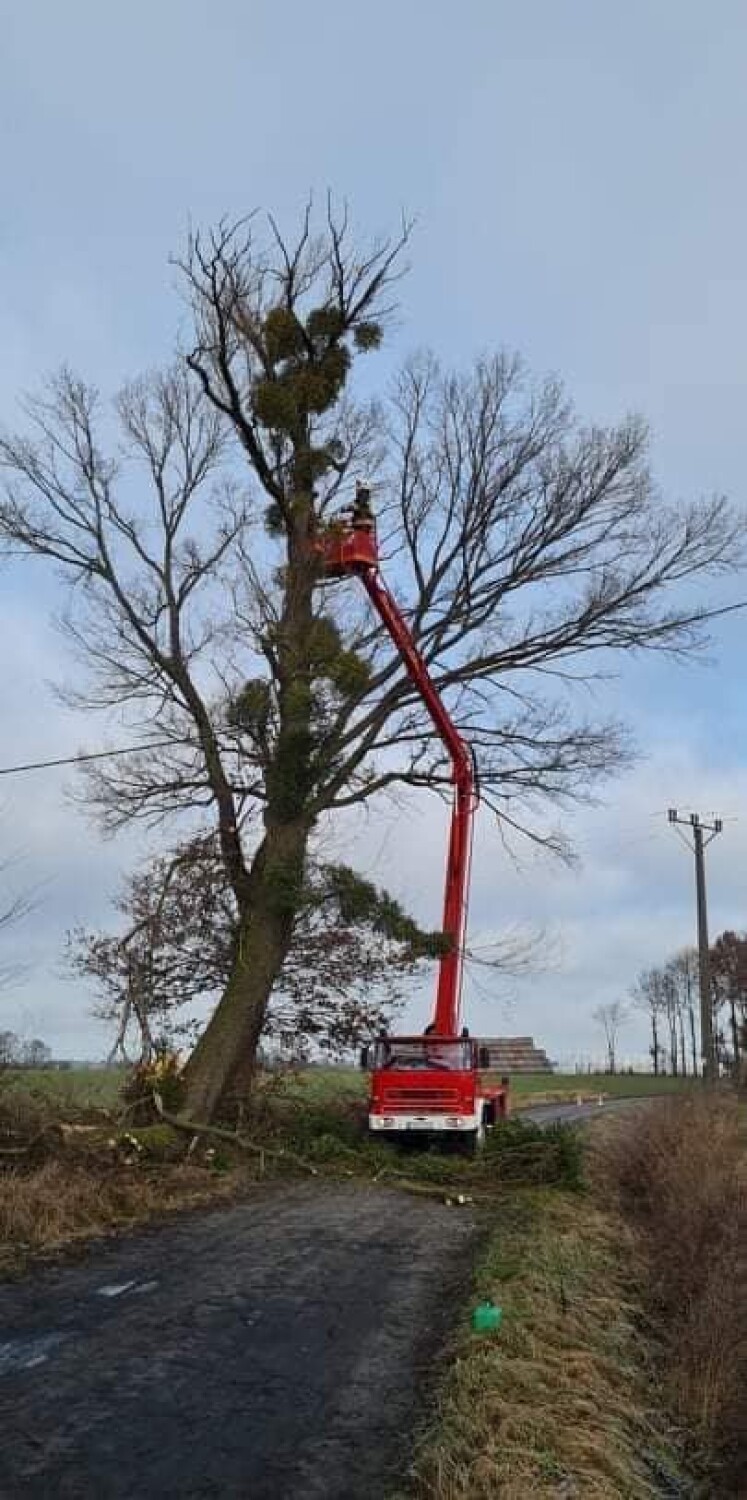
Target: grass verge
{"type": "Point", "coordinates": [559, 1402]}
{"type": "Point", "coordinates": [680, 1181]}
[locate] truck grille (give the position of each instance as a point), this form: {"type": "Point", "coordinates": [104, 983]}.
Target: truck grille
{"type": "Point", "coordinates": [421, 1101]}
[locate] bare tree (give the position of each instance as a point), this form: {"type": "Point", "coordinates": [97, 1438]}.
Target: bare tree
{"type": "Point", "coordinates": [10, 1046]}
{"type": "Point", "coordinates": [684, 967]}
{"type": "Point", "coordinates": [648, 995]}
{"type": "Point", "coordinates": [611, 1017]}
{"type": "Point", "coordinates": [528, 548]}
{"type": "Point", "coordinates": [35, 1053]}
{"type": "Point", "coordinates": [660, 992]}
{"type": "Point", "coordinates": [672, 1013]}
{"type": "Point", "coordinates": [352, 951]}
{"type": "Point", "coordinates": [728, 968]}
{"type": "Point", "coordinates": [17, 1053]}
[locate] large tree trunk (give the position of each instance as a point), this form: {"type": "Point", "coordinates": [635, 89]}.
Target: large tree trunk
{"type": "Point", "coordinates": [224, 1057]}
{"type": "Point", "coordinates": [226, 1051]}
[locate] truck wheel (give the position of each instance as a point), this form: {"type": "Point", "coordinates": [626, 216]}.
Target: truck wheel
{"type": "Point", "coordinates": [472, 1142]}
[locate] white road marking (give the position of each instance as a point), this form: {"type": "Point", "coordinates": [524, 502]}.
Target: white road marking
{"type": "Point", "coordinates": [28, 1353]}
{"type": "Point", "coordinates": [118, 1288]}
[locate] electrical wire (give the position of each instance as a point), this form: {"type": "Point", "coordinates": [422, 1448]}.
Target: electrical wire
{"type": "Point", "coordinates": [74, 760]}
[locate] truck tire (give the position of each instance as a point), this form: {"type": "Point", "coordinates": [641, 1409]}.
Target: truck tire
{"type": "Point", "coordinates": [473, 1141]}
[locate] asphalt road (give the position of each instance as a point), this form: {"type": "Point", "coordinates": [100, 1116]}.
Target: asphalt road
{"type": "Point", "coordinates": [277, 1348]}
{"type": "Point", "coordinates": [570, 1114]}
{"type": "Point", "coordinates": [577, 1114]}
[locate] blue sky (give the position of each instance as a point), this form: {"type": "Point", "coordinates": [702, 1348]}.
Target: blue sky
{"type": "Point", "coordinates": [577, 173]}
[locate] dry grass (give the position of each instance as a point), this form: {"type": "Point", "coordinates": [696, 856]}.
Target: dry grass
{"type": "Point", "coordinates": [63, 1202]}
{"type": "Point", "coordinates": [623, 1352]}
{"type": "Point", "coordinates": [68, 1173]}
{"type": "Point", "coordinates": [559, 1402]}
{"type": "Point", "coordinates": [679, 1176]}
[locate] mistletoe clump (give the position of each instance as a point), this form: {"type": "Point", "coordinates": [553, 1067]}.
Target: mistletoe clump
{"type": "Point", "coordinates": [250, 709]}
{"type": "Point", "coordinates": [348, 672]}
{"type": "Point", "coordinates": [306, 363]}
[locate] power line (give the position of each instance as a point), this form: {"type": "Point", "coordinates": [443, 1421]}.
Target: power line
{"type": "Point", "coordinates": [75, 760]}
{"type": "Point", "coordinates": [726, 609]}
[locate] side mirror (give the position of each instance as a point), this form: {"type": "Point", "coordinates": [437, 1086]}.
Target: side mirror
{"type": "Point", "coordinates": [364, 1057]}
{"type": "Point", "coordinates": [483, 1057]}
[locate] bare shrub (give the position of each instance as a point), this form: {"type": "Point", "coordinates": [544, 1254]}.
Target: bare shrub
{"type": "Point", "coordinates": [679, 1175]}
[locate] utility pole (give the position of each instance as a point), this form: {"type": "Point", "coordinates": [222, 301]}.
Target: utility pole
{"type": "Point", "coordinates": [704, 963]}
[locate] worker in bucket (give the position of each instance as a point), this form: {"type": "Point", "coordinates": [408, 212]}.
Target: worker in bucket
{"type": "Point", "coordinates": [361, 514]}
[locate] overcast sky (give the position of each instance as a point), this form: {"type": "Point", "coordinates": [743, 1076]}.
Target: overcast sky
{"type": "Point", "coordinates": [577, 173]}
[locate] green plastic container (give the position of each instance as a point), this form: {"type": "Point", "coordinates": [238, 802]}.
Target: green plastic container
{"type": "Point", "coordinates": [487, 1318]}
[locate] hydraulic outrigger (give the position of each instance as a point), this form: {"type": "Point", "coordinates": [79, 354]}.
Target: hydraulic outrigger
{"type": "Point", "coordinates": [429, 1084]}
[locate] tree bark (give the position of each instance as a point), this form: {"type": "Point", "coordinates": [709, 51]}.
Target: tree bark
{"type": "Point", "coordinates": [118, 1048]}
{"type": "Point", "coordinates": [222, 1061]}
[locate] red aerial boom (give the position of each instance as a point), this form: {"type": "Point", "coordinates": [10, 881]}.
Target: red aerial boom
{"type": "Point", "coordinates": [427, 1104]}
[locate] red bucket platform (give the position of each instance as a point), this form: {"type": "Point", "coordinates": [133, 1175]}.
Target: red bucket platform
{"type": "Point", "coordinates": [347, 551]}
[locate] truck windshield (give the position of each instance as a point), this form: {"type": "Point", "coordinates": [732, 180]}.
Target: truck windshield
{"type": "Point", "coordinates": [431, 1052]}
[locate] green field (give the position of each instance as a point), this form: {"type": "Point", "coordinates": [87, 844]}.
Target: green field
{"type": "Point", "coordinates": [80, 1088]}
{"type": "Point", "coordinates": [350, 1083]}
{"type": "Point", "coordinates": [617, 1086]}
{"type": "Point", "coordinates": [87, 1088]}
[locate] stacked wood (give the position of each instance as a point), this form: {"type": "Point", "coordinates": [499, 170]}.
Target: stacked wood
{"type": "Point", "coordinates": [516, 1054]}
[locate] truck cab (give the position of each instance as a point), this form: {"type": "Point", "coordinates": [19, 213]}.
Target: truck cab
{"type": "Point", "coordinates": [432, 1086]}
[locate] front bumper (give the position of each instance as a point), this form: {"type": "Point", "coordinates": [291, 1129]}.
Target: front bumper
{"type": "Point", "coordinates": [440, 1123]}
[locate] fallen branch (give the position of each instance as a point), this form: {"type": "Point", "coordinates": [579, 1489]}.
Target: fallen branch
{"type": "Point", "coordinates": [192, 1127]}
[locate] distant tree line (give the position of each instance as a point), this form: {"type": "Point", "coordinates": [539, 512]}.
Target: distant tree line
{"type": "Point", "coordinates": [17, 1053]}
{"type": "Point", "coordinates": [670, 996]}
